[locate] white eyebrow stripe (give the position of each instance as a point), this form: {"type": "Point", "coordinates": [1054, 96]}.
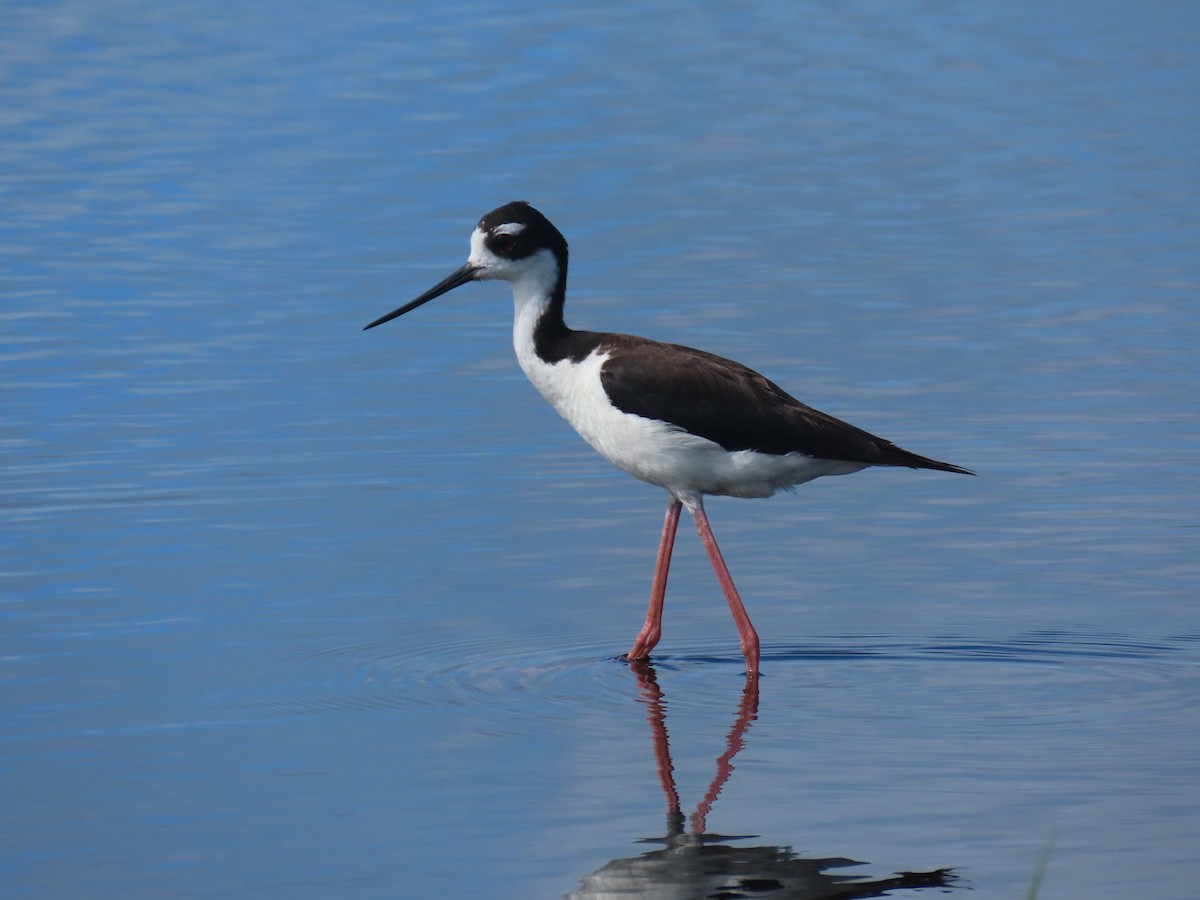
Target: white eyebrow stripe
{"type": "Point", "coordinates": [513, 228]}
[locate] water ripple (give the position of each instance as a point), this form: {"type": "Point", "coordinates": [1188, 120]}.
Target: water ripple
{"type": "Point", "coordinates": [531, 679]}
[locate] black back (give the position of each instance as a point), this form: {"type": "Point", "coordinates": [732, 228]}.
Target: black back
{"type": "Point", "coordinates": [734, 406]}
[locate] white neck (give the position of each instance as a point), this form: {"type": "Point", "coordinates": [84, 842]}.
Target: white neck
{"type": "Point", "coordinates": [533, 283]}
{"type": "Point", "coordinates": [529, 305]}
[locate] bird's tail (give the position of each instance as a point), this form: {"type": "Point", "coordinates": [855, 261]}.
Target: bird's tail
{"type": "Point", "coordinates": [915, 461]}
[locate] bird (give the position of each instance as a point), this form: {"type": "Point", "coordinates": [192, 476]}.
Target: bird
{"type": "Point", "coordinates": [688, 421]}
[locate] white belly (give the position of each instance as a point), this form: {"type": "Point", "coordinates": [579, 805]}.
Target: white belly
{"type": "Point", "coordinates": [686, 465]}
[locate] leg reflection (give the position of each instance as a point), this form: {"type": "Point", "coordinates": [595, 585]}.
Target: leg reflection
{"type": "Point", "coordinates": [656, 715]}
{"type": "Point", "coordinates": [694, 863]}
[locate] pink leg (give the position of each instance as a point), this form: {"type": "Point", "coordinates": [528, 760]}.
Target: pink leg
{"type": "Point", "coordinates": [746, 631]}
{"type": "Point", "coordinates": [652, 630]}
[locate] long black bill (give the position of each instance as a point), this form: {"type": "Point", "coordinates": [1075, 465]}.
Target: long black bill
{"type": "Point", "coordinates": [449, 283]}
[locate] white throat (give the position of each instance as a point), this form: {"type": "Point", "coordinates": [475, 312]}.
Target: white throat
{"type": "Point", "coordinates": [531, 300]}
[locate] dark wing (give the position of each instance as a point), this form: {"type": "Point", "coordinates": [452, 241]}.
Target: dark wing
{"type": "Point", "coordinates": [734, 406]}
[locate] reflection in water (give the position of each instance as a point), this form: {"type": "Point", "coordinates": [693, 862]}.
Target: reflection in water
{"type": "Point", "coordinates": [696, 864]}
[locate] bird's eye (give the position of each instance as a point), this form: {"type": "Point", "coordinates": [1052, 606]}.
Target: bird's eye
{"type": "Point", "coordinates": [502, 243]}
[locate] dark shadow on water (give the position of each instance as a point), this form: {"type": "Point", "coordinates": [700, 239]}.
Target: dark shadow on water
{"type": "Point", "coordinates": [697, 863]}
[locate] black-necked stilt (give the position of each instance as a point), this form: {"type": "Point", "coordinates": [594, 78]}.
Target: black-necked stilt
{"type": "Point", "coordinates": [683, 419]}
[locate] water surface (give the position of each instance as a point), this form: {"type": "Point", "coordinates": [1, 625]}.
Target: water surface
{"type": "Point", "coordinates": [291, 610]}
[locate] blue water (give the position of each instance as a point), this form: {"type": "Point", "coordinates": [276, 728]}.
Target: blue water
{"type": "Point", "coordinates": [291, 610]}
